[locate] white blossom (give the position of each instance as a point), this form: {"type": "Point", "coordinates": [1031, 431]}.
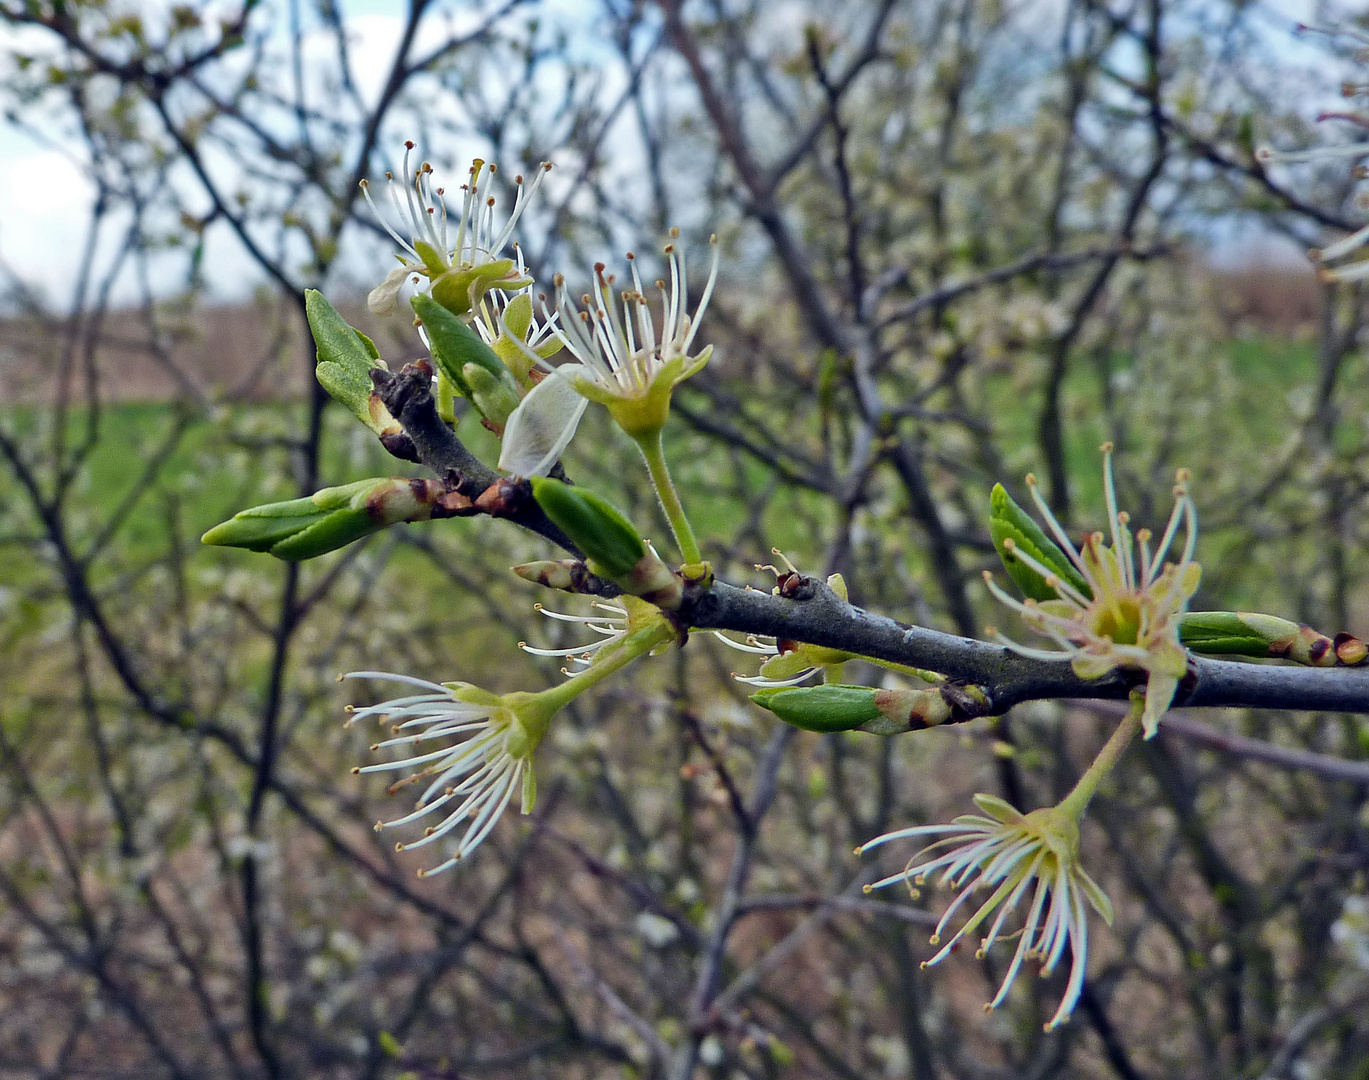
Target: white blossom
{"type": "Point", "coordinates": [1016, 856]}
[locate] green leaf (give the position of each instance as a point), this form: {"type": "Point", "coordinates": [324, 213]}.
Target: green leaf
{"type": "Point", "coordinates": [832, 707]}
{"type": "Point", "coordinates": [345, 357]}
{"type": "Point", "coordinates": [1007, 521]}
{"type": "Point", "coordinates": [454, 344]}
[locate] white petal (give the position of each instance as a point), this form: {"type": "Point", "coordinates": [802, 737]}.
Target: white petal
{"type": "Point", "coordinates": [384, 298]}
{"type": "Point", "coordinates": [543, 424]}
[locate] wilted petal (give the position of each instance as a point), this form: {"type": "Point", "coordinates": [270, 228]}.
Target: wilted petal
{"type": "Point", "coordinates": [1159, 693]}
{"type": "Point", "coordinates": [383, 299]}
{"type": "Point", "coordinates": [543, 424]}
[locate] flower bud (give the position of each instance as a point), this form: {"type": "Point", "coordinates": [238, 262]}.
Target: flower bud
{"type": "Point", "coordinates": [560, 574]}
{"type": "Point", "coordinates": [838, 707]}
{"type": "Point", "coordinates": [595, 525]}
{"type": "Point", "coordinates": [496, 396]}
{"type": "Point", "coordinates": [327, 520]}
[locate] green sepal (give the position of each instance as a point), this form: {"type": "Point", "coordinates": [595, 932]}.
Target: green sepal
{"type": "Point", "coordinates": [518, 315]}
{"type": "Point", "coordinates": [511, 345]}
{"type": "Point", "coordinates": [462, 288]}
{"type": "Point", "coordinates": [596, 526]}
{"type": "Point", "coordinates": [345, 357]}
{"type": "Point", "coordinates": [787, 665]}
{"type": "Point", "coordinates": [827, 708]}
{"type": "Point", "coordinates": [453, 343]}
{"type": "Point", "coordinates": [434, 261]}
{"type": "Point", "coordinates": [1007, 520]}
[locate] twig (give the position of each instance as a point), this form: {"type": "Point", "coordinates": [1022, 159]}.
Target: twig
{"type": "Point", "coordinates": [620, 1008]}
{"type": "Point", "coordinates": [1283, 757]}
{"type": "Point", "coordinates": [711, 963]}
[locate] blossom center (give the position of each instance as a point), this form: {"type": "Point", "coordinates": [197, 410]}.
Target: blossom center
{"type": "Point", "coordinates": [1119, 620]}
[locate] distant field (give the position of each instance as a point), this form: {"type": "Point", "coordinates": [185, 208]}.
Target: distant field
{"type": "Point", "coordinates": [150, 460]}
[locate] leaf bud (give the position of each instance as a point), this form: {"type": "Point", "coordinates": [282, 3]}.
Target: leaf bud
{"type": "Point", "coordinates": [1248, 633]}
{"type": "Point", "coordinates": [839, 707]}
{"type": "Point", "coordinates": [346, 358]}
{"type": "Point", "coordinates": [826, 708]}
{"type": "Point", "coordinates": [327, 520]}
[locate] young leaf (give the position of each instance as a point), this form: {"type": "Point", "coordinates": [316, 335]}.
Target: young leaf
{"type": "Point", "coordinates": [1007, 521]}
{"type": "Point", "coordinates": [345, 357]}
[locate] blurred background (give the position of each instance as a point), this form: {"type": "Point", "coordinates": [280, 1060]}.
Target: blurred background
{"type": "Point", "coordinates": [962, 240]}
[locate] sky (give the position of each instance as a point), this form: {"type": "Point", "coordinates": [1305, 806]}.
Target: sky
{"type": "Point", "coordinates": [45, 194]}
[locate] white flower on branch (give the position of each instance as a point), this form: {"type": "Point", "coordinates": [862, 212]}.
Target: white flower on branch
{"type": "Point", "coordinates": [621, 361]}
{"type": "Point", "coordinates": [790, 663]}
{"type": "Point", "coordinates": [482, 755]}
{"type": "Point", "coordinates": [462, 263]}
{"type": "Point", "coordinates": [1016, 856]}
{"type": "Point", "coordinates": [1125, 610]}
{"type": "Point", "coordinates": [610, 620]}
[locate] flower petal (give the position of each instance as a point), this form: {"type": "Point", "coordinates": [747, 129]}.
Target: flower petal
{"type": "Point", "coordinates": [543, 424]}
{"type": "Point", "coordinates": [383, 299]}
{"type": "Point", "coordinates": [1159, 693]}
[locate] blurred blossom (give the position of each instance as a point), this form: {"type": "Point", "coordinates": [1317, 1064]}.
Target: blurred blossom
{"type": "Point", "coordinates": [1351, 930]}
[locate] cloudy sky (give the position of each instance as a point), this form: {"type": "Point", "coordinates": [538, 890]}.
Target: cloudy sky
{"type": "Point", "coordinates": [46, 193]}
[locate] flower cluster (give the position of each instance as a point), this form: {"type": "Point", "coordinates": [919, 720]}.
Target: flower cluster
{"type": "Point", "coordinates": [1118, 607]}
